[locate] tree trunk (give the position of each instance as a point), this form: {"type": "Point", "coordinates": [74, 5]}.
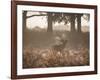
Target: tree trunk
{"type": "Point", "coordinates": [79, 23]}
{"type": "Point", "coordinates": [24, 19]}
{"type": "Point", "coordinates": [73, 23]}
{"type": "Point", "coordinates": [49, 28]}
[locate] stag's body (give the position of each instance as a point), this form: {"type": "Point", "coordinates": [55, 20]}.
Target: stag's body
{"type": "Point", "coordinates": [59, 47]}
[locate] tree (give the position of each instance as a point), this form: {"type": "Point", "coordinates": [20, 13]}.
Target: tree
{"type": "Point", "coordinates": [72, 20]}
{"type": "Point", "coordinates": [66, 18]}
{"type": "Point", "coordinates": [79, 22]}
{"type": "Point", "coordinates": [85, 16]}
{"type": "Point", "coordinates": [50, 22]}
{"type": "Point", "coordinates": [49, 18]}
{"type": "Point", "coordinates": [58, 17]}
{"type": "Point", "coordinates": [24, 19]}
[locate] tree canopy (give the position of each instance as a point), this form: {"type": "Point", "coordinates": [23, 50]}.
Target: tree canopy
{"type": "Point", "coordinates": [53, 17]}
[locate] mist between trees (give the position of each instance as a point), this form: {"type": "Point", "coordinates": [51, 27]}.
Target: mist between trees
{"type": "Point", "coordinates": [74, 20]}
{"type": "Point", "coordinates": [47, 46]}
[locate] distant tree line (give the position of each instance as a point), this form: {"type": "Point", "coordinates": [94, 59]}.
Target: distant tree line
{"type": "Point", "coordinates": [59, 17]}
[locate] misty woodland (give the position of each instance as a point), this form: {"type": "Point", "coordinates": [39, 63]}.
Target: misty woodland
{"type": "Point", "coordinates": [54, 39]}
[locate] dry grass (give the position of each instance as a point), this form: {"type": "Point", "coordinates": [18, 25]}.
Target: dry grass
{"type": "Point", "coordinates": [36, 58]}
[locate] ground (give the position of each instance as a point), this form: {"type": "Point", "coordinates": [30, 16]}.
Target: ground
{"type": "Point", "coordinates": [38, 52]}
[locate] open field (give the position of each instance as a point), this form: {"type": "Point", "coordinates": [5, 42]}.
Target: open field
{"type": "Point", "coordinates": [38, 49]}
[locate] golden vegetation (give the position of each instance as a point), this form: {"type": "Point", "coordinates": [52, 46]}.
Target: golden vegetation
{"type": "Point", "coordinates": [36, 58]}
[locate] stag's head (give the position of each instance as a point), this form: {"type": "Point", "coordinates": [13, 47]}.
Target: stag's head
{"type": "Point", "coordinates": [61, 39]}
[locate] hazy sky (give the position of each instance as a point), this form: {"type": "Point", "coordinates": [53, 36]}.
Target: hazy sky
{"type": "Point", "coordinates": [41, 21]}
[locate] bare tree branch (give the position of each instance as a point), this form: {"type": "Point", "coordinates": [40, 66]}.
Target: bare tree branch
{"type": "Point", "coordinates": [36, 15]}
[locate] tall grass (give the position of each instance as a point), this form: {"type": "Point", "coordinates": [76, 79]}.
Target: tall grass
{"type": "Point", "coordinates": [36, 58]}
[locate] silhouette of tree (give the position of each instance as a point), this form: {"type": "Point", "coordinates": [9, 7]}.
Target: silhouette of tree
{"type": "Point", "coordinates": [50, 22]}
{"type": "Point", "coordinates": [66, 18]}
{"type": "Point", "coordinates": [53, 17]}
{"type": "Point", "coordinates": [78, 16]}
{"type": "Point", "coordinates": [24, 19]}
{"type": "Point", "coordinates": [72, 21]}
